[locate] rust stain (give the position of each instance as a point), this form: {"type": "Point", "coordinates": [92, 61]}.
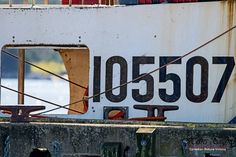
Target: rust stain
{"type": "Point", "coordinates": [228, 10]}
{"type": "Point", "coordinates": [231, 5]}
{"type": "Point", "coordinates": [230, 14]}
{"type": "Point", "coordinates": [234, 74]}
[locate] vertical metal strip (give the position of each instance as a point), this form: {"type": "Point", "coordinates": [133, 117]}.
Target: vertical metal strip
{"type": "Point", "coordinates": [21, 75]}
{"type": "Point", "coordinates": [33, 2]}
{"type": "Point", "coordinates": [70, 3]}
{"type": "Point", "coordinates": [10, 3]}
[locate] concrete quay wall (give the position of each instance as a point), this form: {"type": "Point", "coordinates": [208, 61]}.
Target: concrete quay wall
{"type": "Point", "coordinates": [89, 138]}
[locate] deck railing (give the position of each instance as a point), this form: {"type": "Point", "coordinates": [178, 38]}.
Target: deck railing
{"type": "Point", "coordinates": [11, 3]}
{"type": "Point", "coordinates": [95, 2]}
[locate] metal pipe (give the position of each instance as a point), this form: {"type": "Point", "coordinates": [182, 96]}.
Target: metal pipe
{"type": "Point", "coordinates": [21, 75]}
{"type": "Point", "coordinates": [33, 3]}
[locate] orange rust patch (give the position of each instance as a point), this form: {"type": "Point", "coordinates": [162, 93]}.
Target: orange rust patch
{"type": "Point", "coordinates": [77, 65]}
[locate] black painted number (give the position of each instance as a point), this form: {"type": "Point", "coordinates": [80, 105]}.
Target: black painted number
{"type": "Point", "coordinates": [109, 78]}
{"type": "Point", "coordinates": [163, 77]}
{"type": "Point", "coordinates": [229, 61]}
{"type": "Point", "coordinates": [204, 79]}
{"type": "Point", "coordinates": [97, 78]}
{"type": "Point", "coordinates": [137, 61]}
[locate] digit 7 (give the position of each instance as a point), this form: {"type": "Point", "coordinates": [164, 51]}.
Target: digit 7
{"type": "Point", "coordinates": [229, 61]}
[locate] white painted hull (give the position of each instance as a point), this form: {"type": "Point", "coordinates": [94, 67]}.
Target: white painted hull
{"type": "Point", "coordinates": [154, 31]}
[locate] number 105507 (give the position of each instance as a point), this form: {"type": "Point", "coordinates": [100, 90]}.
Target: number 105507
{"type": "Point", "coordinates": [137, 61]}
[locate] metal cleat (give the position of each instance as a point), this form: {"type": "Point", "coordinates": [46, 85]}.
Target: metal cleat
{"type": "Point", "coordinates": [20, 113]}
{"type": "Point", "coordinates": [151, 111]}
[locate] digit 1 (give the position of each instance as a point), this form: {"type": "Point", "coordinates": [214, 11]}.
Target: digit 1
{"type": "Point", "coordinates": [204, 79]}
{"type": "Point", "coordinates": [109, 78]}
{"type": "Point", "coordinates": [97, 78]}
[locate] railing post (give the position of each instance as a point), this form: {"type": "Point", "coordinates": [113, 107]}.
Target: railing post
{"type": "Point", "coordinates": [21, 76]}
{"type": "Point", "coordinates": [70, 3]}
{"type": "Point", "coordinates": [10, 3]}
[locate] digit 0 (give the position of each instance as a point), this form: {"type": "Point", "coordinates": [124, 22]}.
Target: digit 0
{"type": "Point", "coordinates": [109, 78]}
{"type": "Point", "coordinates": [204, 79]}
